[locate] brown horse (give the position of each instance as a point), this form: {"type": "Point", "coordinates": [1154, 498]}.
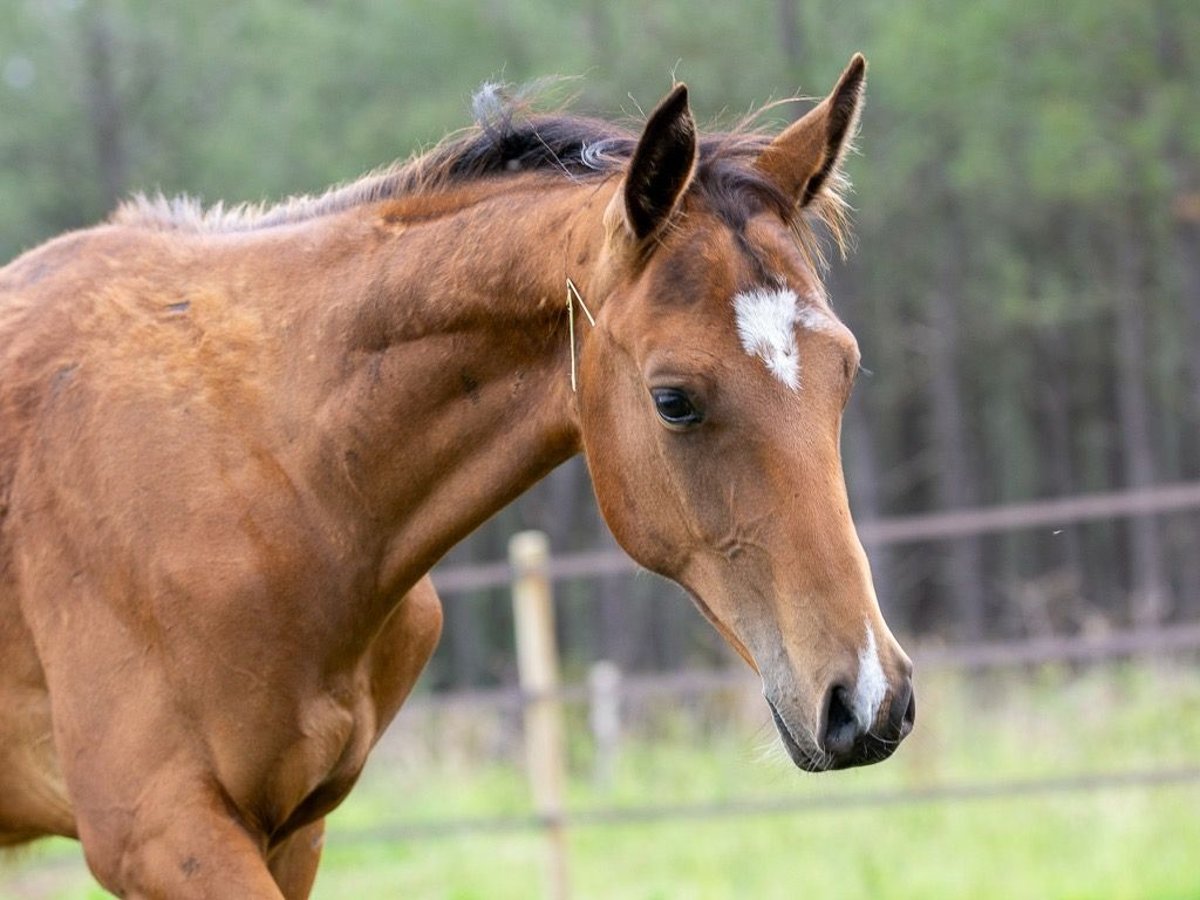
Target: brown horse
{"type": "Point", "coordinates": [233, 442]}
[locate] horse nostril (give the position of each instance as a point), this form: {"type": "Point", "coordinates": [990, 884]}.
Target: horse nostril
{"type": "Point", "coordinates": [903, 711]}
{"type": "Point", "coordinates": [910, 715]}
{"type": "Point", "coordinates": [840, 728]}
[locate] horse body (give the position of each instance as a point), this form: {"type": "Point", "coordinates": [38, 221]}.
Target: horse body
{"type": "Point", "coordinates": [182, 593]}
{"type": "Point", "coordinates": [232, 447]}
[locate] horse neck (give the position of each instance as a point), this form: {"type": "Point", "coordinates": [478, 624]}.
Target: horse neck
{"type": "Point", "coordinates": [452, 393]}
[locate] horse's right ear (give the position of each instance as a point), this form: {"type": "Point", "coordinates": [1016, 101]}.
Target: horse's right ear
{"type": "Point", "coordinates": [806, 157]}
{"type": "Point", "coordinates": [662, 166]}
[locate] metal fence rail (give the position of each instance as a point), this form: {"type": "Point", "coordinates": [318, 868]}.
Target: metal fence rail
{"type": "Point", "coordinates": [969, 657]}
{"type": "Point", "coordinates": [998, 790]}
{"type": "Point", "coordinates": [1053, 513]}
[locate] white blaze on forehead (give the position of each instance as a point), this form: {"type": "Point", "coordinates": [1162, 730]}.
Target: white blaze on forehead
{"type": "Point", "coordinates": [766, 322]}
{"type": "Point", "coordinates": [872, 683]}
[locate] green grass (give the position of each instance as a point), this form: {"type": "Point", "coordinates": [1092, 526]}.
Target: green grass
{"type": "Point", "coordinates": [1130, 842]}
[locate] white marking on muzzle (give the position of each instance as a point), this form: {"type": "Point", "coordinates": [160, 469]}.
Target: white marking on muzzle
{"type": "Point", "coordinates": [872, 685]}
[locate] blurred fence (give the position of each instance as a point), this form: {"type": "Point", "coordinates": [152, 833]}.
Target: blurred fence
{"type": "Point", "coordinates": [607, 691]}
{"type": "Point", "coordinates": [1057, 566]}
{"type": "Point", "coordinates": [606, 696]}
{"type": "Point", "coordinates": [891, 531]}
{"type": "Point", "coordinates": [610, 693]}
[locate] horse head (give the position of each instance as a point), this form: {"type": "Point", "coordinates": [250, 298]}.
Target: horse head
{"type": "Point", "coordinates": [711, 394]}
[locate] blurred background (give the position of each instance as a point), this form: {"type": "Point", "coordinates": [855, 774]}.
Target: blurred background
{"type": "Point", "coordinates": [1023, 458]}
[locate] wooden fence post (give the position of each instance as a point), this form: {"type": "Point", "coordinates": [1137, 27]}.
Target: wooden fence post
{"type": "Point", "coordinates": [537, 665]}
{"type": "Point", "coordinates": [604, 686]}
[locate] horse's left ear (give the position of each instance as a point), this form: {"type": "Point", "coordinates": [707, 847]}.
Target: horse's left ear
{"type": "Point", "coordinates": [662, 166]}
{"type": "Point", "coordinates": [808, 152]}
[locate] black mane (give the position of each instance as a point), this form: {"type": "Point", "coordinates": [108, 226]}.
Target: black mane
{"type": "Point", "coordinates": [507, 139]}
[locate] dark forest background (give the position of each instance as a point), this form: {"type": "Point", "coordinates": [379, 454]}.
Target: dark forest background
{"type": "Point", "coordinates": [1026, 285]}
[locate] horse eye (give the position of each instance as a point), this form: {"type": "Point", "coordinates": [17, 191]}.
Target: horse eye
{"type": "Point", "coordinates": [675, 408]}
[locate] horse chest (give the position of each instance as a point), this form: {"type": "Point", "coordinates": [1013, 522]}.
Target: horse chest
{"type": "Point", "coordinates": [312, 770]}
{"type": "Point", "coordinates": [341, 725]}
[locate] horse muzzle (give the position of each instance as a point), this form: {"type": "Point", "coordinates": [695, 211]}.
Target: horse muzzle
{"type": "Point", "coordinates": [846, 734]}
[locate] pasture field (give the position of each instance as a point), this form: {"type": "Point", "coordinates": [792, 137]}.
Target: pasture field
{"type": "Point", "coordinates": [1112, 842]}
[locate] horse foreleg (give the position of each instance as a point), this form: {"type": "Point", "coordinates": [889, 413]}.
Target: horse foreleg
{"type": "Point", "coordinates": [293, 863]}
{"type": "Point", "coordinates": [180, 849]}
{"type": "Point", "coordinates": [396, 659]}
{"type": "Point", "coordinates": [156, 819]}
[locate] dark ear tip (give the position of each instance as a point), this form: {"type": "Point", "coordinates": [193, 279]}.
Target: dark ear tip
{"type": "Point", "coordinates": [855, 69]}
{"type": "Point", "coordinates": [677, 100]}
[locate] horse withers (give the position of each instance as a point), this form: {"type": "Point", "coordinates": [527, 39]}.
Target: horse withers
{"type": "Point", "coordinates": [232, 443]}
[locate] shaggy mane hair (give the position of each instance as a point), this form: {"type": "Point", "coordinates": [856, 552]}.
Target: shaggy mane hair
{"type": "Point", "coordinates": [510, 137]}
